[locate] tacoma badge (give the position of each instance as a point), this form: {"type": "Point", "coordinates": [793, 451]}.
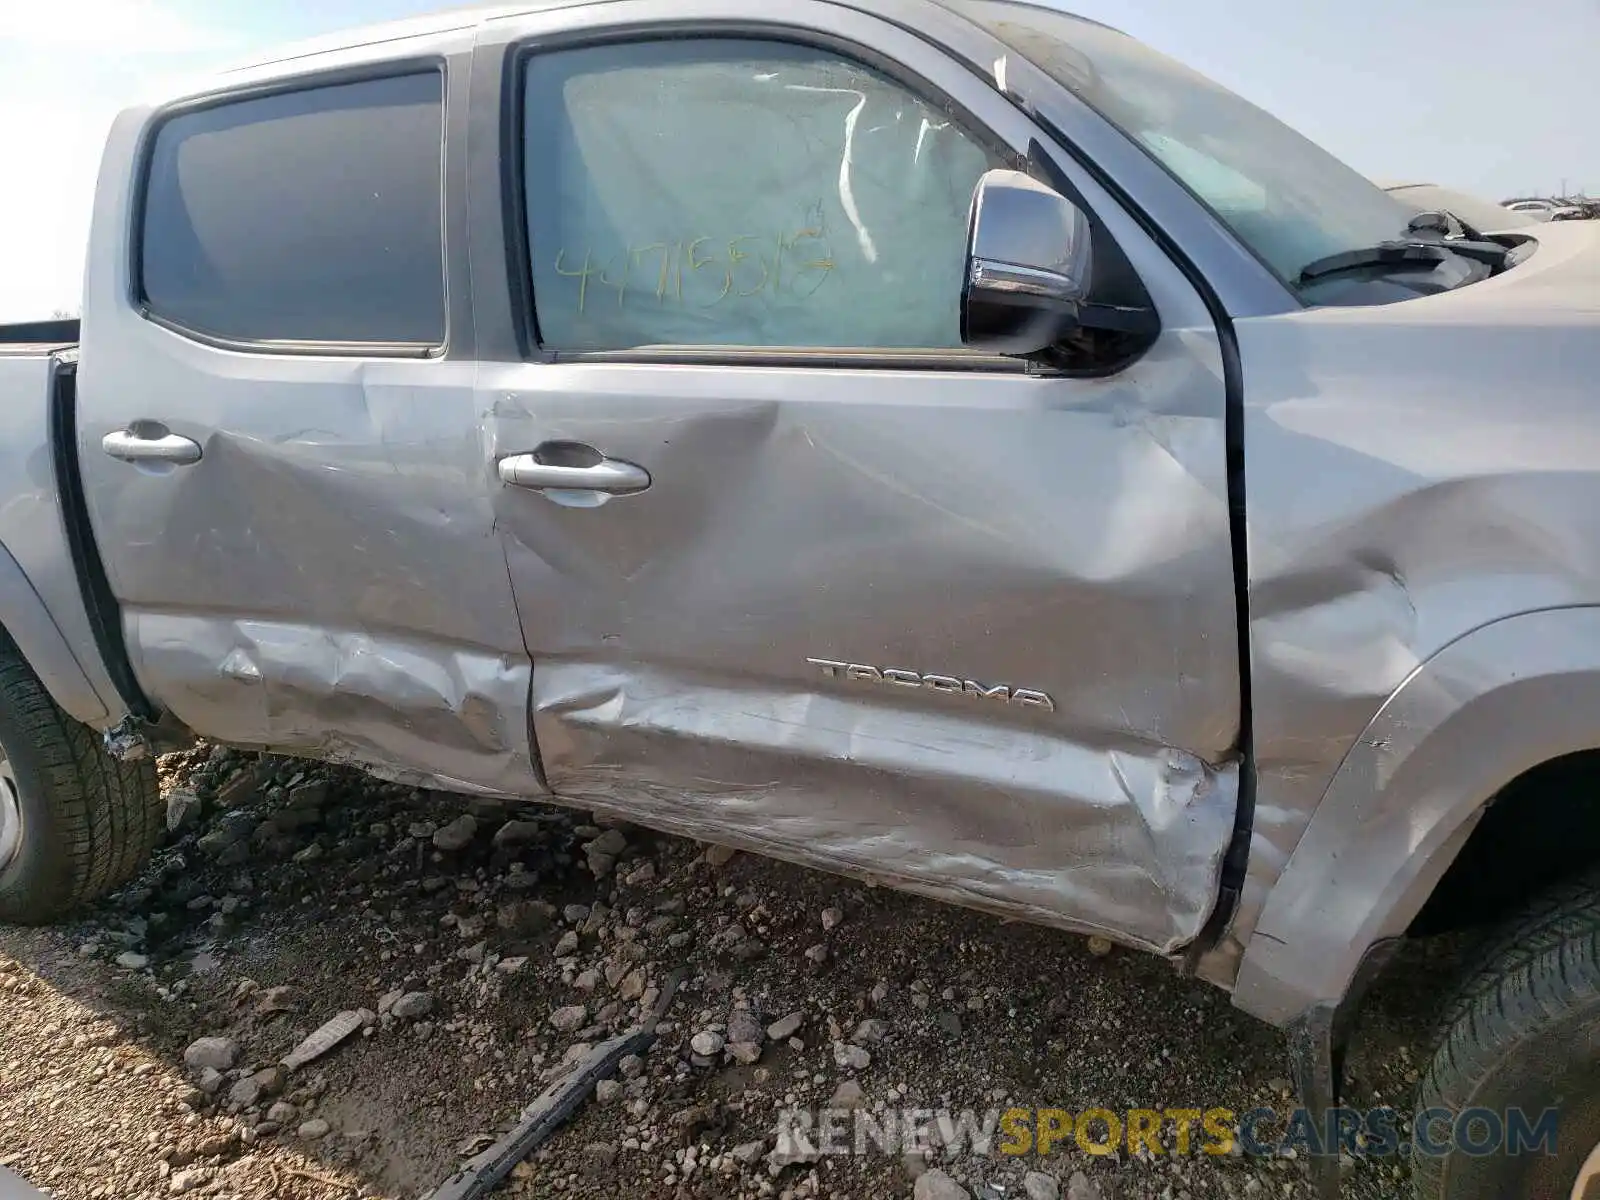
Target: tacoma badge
{"type": "Point", "coordinates": [1024, 697]}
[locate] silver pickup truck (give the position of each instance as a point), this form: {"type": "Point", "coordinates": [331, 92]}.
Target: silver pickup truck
{"type": "Point", "coordinates": [946, 443]}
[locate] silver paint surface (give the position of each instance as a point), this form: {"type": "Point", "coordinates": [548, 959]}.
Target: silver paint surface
{"type": "Point", "coordinates": [1415, 472]}
{"type": "Point", "coordinates": [40, 603]}
{"type": "Point", "coordinates": [344, 574]}
{"type": "Point", "coordinates": [1501, 700]}
{"type": "Point", "coordinates": [803, 513]}
{"type": "Point", "coordinates": [326, 579]}
{"type": "Point", "coordinates": [1068, 536]}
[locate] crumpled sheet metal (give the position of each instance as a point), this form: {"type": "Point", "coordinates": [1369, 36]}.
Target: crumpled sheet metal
{"type": "Point", "coordinates": [1064, 536]}
{"type": "Point", "coordinates": [1500, 701]}
{"type": "Point", "coordinates": [1020, 822]}
{"type": "Point", "coordinates": [414, 713]}
{"type": "Point", "coordinates": [326, 581]}
{"type": "Point", "coordinates": [1414, 472]}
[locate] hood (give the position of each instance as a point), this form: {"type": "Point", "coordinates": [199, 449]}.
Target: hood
{"type": "Point", "coordinates": [1557, 283]}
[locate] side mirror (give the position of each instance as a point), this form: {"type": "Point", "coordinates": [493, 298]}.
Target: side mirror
{"type": "Point", "coordinates": [1028, 265]}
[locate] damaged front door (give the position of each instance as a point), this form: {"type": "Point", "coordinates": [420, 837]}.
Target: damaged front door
{"type": "Point", "coordinates": [795, 569]}
{"type": "Point", "coordinates": [281, 452]}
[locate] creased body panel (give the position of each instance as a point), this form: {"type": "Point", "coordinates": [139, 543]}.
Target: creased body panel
{"type": "Point", "coordinates": [968, 542]}
{"type": "Point", "coordinates": [407, 709]}
{"type": "Point", "coordinates": [1060, 537]}
{"type": "Point", "coordinates": [1414, 471]}
{"type": "Point", "coordinates": [1121, 841]}
{"type": "Point", "coordinates": [1502, 700]}
{"type": "Point", "coordinates": [326, 579]}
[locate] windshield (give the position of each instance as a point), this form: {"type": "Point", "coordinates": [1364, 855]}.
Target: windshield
{"type": "Point", "coordinates": [1285, 197]}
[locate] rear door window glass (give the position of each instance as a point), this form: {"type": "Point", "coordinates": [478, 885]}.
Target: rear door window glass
{"type": "Point", "coordinates": [304, 216]}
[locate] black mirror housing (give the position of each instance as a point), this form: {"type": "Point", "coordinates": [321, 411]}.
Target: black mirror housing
{"type": "Point", "coordinates": [1028, 268]}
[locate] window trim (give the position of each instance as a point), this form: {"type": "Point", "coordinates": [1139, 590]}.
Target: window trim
{"type": "Point", "coordinates": [306, 81]}
{"type": "Point", "coordinates": [513, 175]}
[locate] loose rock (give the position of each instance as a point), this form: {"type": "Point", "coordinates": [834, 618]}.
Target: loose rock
{"type": "Point", "coordinates": [217, 1053]}
{"type": "Point", "coordinates": [785, 1028]}
{"type": "Point", "coordinates": [457, 835]}
{"type": "Point", "coordinates": [517, 833]}
{"type": "Point", "coordinates": [869, 1031]}
{"type": "Point", "coordinates": [1036, 1185]}
{"type": "Point", "coordinates": [852, 1057]}
{"type": "Point", "coordinates": [183, 811]}
{"type": "Point", "coordinates": [936, 1185]}
{"type": "Point", "coordinates": [847, 1095]}
{"type": "Point", "coordinates": [187, 1181]}
{"type": "Point", "coordinates": [744, 1026]}
{"type": "Point", "coordinates": [570, 1018]}
{"type": "Point", "coordinates": [707, 1043]}
{"type": "Point", "coordinates": [413, 1005]}
{"type": "Point", "coordinates": [603, 851]}
{"type": "Point", "coordinates": [749, 1153]}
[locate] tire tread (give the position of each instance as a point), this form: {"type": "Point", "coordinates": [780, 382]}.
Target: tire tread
{"type": "Point", "coordinates": [1539, 969]}
{"type": "Point", "coordinates": [107, 813]}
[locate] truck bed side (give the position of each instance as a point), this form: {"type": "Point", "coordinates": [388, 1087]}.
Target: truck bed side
{"type": "Point", "coordinates": [42, 585]}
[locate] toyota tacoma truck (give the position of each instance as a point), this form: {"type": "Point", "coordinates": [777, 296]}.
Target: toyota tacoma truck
{"type": "Point", "coordinates": [943, 442]}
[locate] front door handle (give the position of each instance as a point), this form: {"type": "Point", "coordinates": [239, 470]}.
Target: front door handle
{"type": "Point", "coordinates": [607, 475]}
{"type": "Point", "coordinates": [150, 444]}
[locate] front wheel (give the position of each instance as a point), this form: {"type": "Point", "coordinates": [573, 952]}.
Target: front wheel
{"type": "Point", "coordinates": [74, 823]}
{"type": "Point", "coordinates": [1512, 1096]}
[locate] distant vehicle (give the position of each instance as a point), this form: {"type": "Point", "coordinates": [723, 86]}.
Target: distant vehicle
{"type": "Point", "coordinates": [1538, 210]}
{"type": "Point", "coordinates": [1485, 216]}
{"type": "Point", "coordinates": [1550, 210]}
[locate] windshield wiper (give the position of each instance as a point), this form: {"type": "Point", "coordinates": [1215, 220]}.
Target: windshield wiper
{"type": "Point", "coordinates": [1405, 255]}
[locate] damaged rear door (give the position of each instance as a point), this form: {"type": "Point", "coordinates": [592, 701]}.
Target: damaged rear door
{"type": "Point", "coordinates": [795, 569]}
{"type": "Point", "coordinates": [279, 444]}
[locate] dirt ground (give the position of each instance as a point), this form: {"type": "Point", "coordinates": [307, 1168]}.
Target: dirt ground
{"type": "Point", "coordinates": [479, 944]}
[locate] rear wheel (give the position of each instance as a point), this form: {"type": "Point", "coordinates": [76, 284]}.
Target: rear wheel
{"type": "Point", "coordinates": [74, 823]}
{"type": "Point", "coordinates": [1523, 1040]}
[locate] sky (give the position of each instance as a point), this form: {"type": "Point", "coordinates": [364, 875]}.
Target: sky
{"type": "Point", "coordinates": [1481, 95]}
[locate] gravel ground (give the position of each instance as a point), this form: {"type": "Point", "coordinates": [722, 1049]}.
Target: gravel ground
{"type": "Point", "coordinates": [476, 945]}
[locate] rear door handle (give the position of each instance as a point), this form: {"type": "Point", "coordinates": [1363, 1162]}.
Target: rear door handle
{"type": "Point", "coordinates": [608, 475]}
{"type": "Point", "coordinates": [150, 444]}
